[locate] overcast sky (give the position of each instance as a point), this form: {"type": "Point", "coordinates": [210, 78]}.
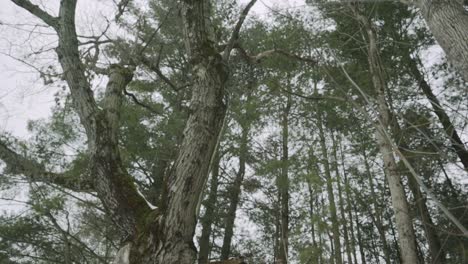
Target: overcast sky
{"type": "Point", "coordinates": [23, 96]}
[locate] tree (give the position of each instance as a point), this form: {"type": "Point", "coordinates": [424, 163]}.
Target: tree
{"type": "Point", "coordinates": [163, 235]}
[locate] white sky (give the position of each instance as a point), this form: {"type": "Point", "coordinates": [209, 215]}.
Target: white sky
{"type": "Point", "coordinates": [23, 96]}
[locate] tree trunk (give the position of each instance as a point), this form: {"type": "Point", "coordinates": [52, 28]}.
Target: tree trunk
{"type": "Point", "coordinates": [378, 213]}
{"type": "Point", "coordinates": [234, 195]}
{"type": "Point", "coordinates": [208, 217]}
{"type": "Point", "coordinates": [406, 236]}
{"type": "Point", "coordinates": [341, 202]}
{"type": "Point", "coordinates": [312, 224]}
{"type": "Point", "coordinates": [283, 185]}
{"type": "Point", "coordinates": [348, 205]}
{"type": "Point", "coordinates": [435, 248]}
{"type": "Point", "coordinates": [359, 236]}
{"type": "Point", "coordinates": [457, 144]}
{"type": "Point", "coordinates": [331, 195]}
{"type": "Point", "coordinates": [448, 22]}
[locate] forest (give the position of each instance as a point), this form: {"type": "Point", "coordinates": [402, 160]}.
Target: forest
{"type": "Point", "coordinates": [239, 132]}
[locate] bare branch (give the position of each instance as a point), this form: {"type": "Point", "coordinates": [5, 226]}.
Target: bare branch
{"type": "Point", "coordinates": [237, 28]}
{"type": "Point", "coordinates": [38, 12]}
{"type": "Point", "coordinates": [121, 6]}
{"type": "Point", "coordinates": [155, 67]}
{"type": "Point", "coordinates": [137, 102]}
{"type": "Point", "coordinates": [256, 59]}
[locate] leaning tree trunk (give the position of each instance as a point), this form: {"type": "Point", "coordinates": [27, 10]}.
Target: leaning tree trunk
{"type": "Point", "coordinates": [457, 144]}
{"type": "Point", "coordinates": [406, 236]}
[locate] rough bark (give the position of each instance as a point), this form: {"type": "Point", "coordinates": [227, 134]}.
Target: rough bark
{"type": "Point", "coordinates": [448, 21]}
{"type": "Point", "coordinates": [208, 217]}
{"type": "Point", "coordinates": [406, 236]}
{"type": "Point", "coordinates": [201, 134]}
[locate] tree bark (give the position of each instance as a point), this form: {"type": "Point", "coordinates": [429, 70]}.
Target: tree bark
{"type": "Point", "coordinates": [201, 134]}
{"type": "Point", "coordinates": [448, 22]}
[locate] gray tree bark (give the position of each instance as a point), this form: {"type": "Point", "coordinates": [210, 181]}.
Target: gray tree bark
{"type": "Point", "coordinates": [448, 22]}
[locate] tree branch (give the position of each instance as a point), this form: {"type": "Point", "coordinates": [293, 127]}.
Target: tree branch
{"type": "Point", "coordinates": [237, 28]}
{"type": "Point", "coordinates": [257, 59]}
{"type": "Point", "coordinates": [137, 102]}
{"type": "Point", "coordinates": [155, 67]}
{"type": "Point", "coordinates": [34, 171]}
{"type": "Point", "coordinates": [37, 12]}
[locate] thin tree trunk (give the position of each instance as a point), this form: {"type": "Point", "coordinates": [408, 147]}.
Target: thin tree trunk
{"type": "Point", "coordinates": [407, 239]}
{"type": "Point", "coordinates": [378, 218]}
{"type": "Point", "coordinates": [283, 185]}
{"type": "Point", "coordinates": [208, 217]}
{"type": "Point", "coordinates": [340, 201]}
{"type": "Point", "coordinates": [348, 205]}
{"type": "Point", "coordinates": [331, 195]}
{"type": "Point", "coordinates": [359, 236]}
{"type": "Point", "coordinates": [234, 195]}
{"type": "Point", "coordinates": [457, 144]}
{"type": "Point", "coordinates": [312, 222]}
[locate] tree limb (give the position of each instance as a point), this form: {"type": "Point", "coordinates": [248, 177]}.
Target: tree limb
{"type": "Point", "coordinates": [257, 59]}
{"type": "Point", "coordinates": [37, 12]}
{"type": "Point", "coordinates": [237, 28]}
{"type": "Point", "coordinates": [34, 171]}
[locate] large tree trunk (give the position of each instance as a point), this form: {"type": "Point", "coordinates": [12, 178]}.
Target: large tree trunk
{"type": "Point", "coordinates": [448, 22]}
{"type": "Point", "coordinates": [201, 133]}
{"type": "Point", "coordinates": [406, 236]}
